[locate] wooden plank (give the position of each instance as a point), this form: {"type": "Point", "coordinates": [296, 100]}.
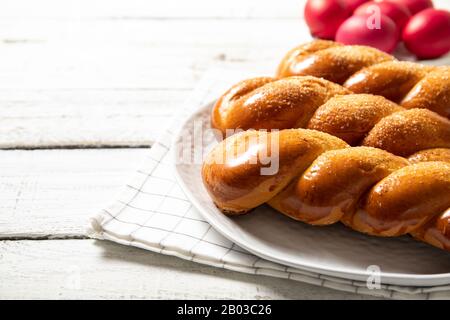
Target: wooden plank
{"type": "Point", "coordinates": [49, 87]}
{"type": "Point", "coordinates": [59, 67]}
{"type": "Point", "coordinates": [81, 117]}
{"type": "Point", "coordinates": [53, 193]}
{"type": "Point", "coordinates": [88, 269]}
{"type": "Point", "coordinates": [149, 9]}
{"type": "Point", "coordinates": [155, 33]}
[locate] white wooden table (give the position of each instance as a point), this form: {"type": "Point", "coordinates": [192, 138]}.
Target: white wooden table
{"type": "Point", "coordinates": [85, 87]}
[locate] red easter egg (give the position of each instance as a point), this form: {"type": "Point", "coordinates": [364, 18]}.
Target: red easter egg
{"type": "Point", "coordinates": [353, 4]}
{"type": "Point", "coordinates": [323, 17]}
{"type": "Point", "coordinates": [380, 33]}
{"type": "Point", "coordinates": [415, 6]}
{"type": "Point", "coordinates": [427, 33]}
{"type": "Point", "coordinates": [398, 12]}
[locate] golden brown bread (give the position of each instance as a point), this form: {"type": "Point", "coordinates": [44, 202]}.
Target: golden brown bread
{"type": "Point", "coordinates": [409, 131]}
{"type": "Point", "coordinates": [364, 69]}
{"type": "Point", "coordinates": [438, 154]}
{"type": "Point", "coordinates": [237, 183]}
{"type": "Point", "coordinates": [321, 180]}
{"type": "Point", "coordinates": [267, 103]}
{"type": "Point", "coordinates": [299, 53]}
{"type": "Point", "coordinates": [351, 93]}
{"type": "Point", "coordinates": [315, 103]}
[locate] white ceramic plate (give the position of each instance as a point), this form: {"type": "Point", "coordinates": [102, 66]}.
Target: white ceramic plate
{"type": "Point", "coordinates": [333, 250]}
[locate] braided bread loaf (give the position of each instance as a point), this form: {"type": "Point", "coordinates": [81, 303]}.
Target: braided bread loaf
{"type": "Point", "coordinates": [321, 180]}
{"type": "Point", "coordinates": [364, 69]}
{"type": "Point", "coordinates": [315, 103]}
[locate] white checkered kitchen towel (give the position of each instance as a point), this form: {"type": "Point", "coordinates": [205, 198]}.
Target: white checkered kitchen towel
{"type": "Point", "coordinates": [153, 213]}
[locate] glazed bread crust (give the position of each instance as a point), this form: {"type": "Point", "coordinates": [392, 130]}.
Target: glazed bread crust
{"type": "Point", "coordinates": [316, 103]}
{"type": "Point", "coordinates": [374, 154]}
{"type": "Point", "coordinates": [364, 69]}
{"type": "Point", "coordinates": [321, 180]}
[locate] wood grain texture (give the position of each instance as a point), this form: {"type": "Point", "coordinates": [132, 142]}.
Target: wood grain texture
{"type": "Point", "coordinates": [113, 74]}
{"type": "Point", "coordinates": [77, 117]}
{"type": "Point", "coordinates": [172, 9]}
{"type": "Point", "coordinates": [90, 269]}
{"type": "Point", "coordinates": [53, 193]}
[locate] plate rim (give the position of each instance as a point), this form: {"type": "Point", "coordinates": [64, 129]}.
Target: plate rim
{"type": "Point", "coordinates": [393, 278]}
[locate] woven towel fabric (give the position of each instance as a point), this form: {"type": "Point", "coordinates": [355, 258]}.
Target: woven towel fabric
{"type": "Point", "coordinates": [153, 213]}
